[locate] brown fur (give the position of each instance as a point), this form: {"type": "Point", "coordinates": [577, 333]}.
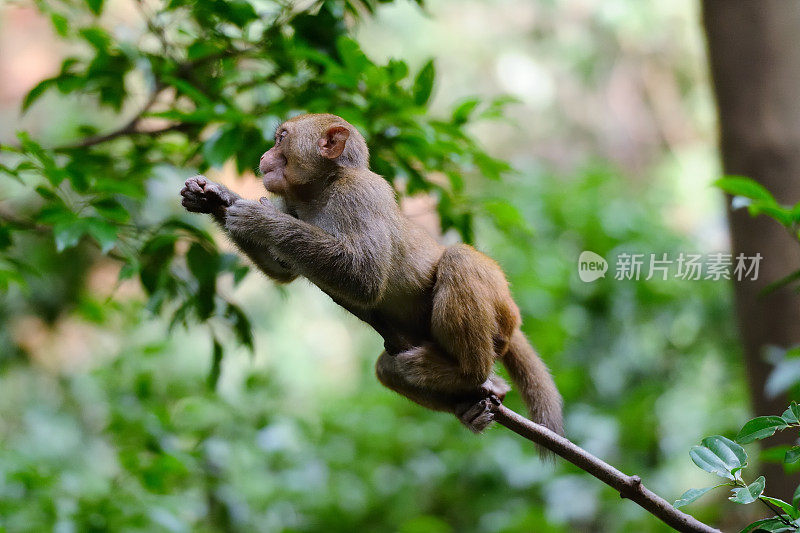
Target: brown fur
{"type": "Point", "coordinates": [445, 313]}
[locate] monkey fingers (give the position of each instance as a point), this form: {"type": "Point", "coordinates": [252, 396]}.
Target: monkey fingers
{"type": "Point", "coordinates": [477, 416]}
{"type": "Point", "coordinates": [194, 202]}
{"type": "Point", "coordinates": [217, 195]}
{"type": "Point", "coordinates": [196, 184]}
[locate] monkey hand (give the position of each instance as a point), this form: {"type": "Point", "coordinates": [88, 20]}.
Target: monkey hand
{"type": "Point", "coordinates": [203, 196]}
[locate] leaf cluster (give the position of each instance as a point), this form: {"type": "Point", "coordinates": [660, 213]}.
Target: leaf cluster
{"type": "Point", "coordinates": [727, 459]}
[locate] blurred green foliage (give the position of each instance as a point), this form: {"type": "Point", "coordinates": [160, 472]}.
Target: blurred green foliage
{"type": "Point", "coordinates": [139, 441]}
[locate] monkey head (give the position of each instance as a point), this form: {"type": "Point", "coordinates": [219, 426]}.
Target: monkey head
{"type": "Point", "coordinates": [308, 149]}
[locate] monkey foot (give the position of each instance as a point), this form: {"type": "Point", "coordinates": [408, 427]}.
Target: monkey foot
{"type": "Point", "coordinates": [477, 416]}
{"type": "Point", "coordinates": [495, 386]}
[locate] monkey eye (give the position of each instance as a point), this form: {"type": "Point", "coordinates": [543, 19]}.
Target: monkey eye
{"type": "Point", "coordinates": [279, 137]}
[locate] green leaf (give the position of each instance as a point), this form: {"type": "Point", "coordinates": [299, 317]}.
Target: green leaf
{"type": "Point", "coordinates": [423, 84]}
{"type": "Point", "coordinates": [506, 216]}
{"type": "Point", "coordinates": [8, 277]}
{"type": "Point", "coordinates": [240, 12]}
{"type": "Point", "coordinates": [497, 107]}
{"type": "Point", "coordinates": [67, 233]}
{"type": "Point", "coordinates": [60, 24]}
{"type": "Point", "coordinates": [97, 37]}
{"type": "Point", "coordinates": [54, 174]}
{"type": "Point", "coordinates": [221, 146]}
{"type": "Point", "coordinates": [790, 416]}
{"type": "Point", "coordinates": [462, 113]}
{"type": "Point", "coordinates": [204, 264]}
{"type": "Point", "coordinates": [55, 213]}
{"type": "Point", "coordinates": [719, 455]}
{"type": "Point", "coordinates": [351, 54]}
{"type": "Point", "coordinates": [189, 90]}
{"type": "Point", "coordinates": [787, 508]}
{"type": "Point", "coordinates": [397, 70]}
{"type": "Point", "coordinates": [96, 6]}
{"type": "Point", "coordinates": [746, 187]}
{"type": "Point", "coordinates": [779, 213]}
{"type": "Point", "coordinates": [772, 525]}
{"type": "Point", "coordinates": [793, 407]}
{"type": "Point", "coordinates": [750, 493]}
{"type": "Point", "coordinates": [111, 209]}
{"type": "Point", "coordinates": [5, 236]}
{"type": "Point", "coordinates": [796, 498]}
{"type": "Point", "coordinates": [104, 233]}
{"type": "Point", "coordinates": [202, 48]}
{"type": "Point", "coordinates": [792, 455]}
{"type": "Point", "coordinates": [155, 258]}
{"type": "Point", "coordinates": [12, 173]}
{"type": "Point", "coordinates": [241, 326]}
{"type": "Point", "coordinates": [693, 494]}
{"type": "Point", "coordinates": [216, 365]}
{"type": "Point", "coordinates": [760, 428]}
{"type": "Point", "coordinates": [128, 270]}
{"type": "Point", "coordinates": [489, 166]}
{"type": "Point", "coordinates": [37, 91]}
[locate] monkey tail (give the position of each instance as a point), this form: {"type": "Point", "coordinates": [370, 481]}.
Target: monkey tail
{"type": "Point", "coordinates": [534, 382]}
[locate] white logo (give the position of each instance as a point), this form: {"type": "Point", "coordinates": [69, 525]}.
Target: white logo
{"type": "Point", "coordinates": [591, 266]}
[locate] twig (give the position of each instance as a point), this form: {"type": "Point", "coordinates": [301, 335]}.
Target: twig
{"type": "Point", "coordinates": [13, 220]}
{"type": "Point", "coordinates": [128, 128]}
{"type": "Point", "coordinates": [775, 510]}
{"type": "Point", "coordinates": [30, 225]}
{"type": "Point", "coordinates": [629, 487]}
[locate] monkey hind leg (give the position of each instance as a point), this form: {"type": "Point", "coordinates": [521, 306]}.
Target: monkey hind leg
{"type": "Point", "coordinates": [394, 375]}
{"type": "Point", "coordinates": [473, 315]}
{"type": "Point", "coordinates": [428, 378]}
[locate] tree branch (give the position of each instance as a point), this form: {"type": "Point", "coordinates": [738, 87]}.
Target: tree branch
{"type": "Point", "coordinates": [776, 511]}
{"type": "Point", "coordinates": [127, 129]}
{"type": "Point", "coordinates": [629, 487]}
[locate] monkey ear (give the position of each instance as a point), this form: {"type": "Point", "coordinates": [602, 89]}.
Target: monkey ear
{"type": "Point", "coordinates": [331, 145]}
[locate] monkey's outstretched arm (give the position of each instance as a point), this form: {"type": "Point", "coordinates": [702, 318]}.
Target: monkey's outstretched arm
{"type": "Point", "coordinates": [264, 260]}
{"type": "Point", "coordinates": [349, 266]}
{"type": "Point", "coordinates": [203, 196]}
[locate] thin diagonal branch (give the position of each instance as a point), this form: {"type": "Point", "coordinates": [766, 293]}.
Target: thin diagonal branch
{"type": "Point", "coordinates": [629, 487]}
{"type": "Point", "coordinates": [127, 129]}
{"type": "Point", "coordinates": [776, 511]}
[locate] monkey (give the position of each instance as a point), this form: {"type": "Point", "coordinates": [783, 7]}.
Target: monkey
{"type": "Point", "coordinates": [445, 313]}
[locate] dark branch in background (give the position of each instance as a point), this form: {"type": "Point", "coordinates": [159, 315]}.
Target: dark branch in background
{"type": "Point", "coordinates": [127, 129]}
{"type": "Point", "coordinates": [629, 487]}
{"type": "Point", "coordinates": [130, 128]}
{"type": "Point", "coordinates": [13, 220]}
{"type": "Point", "coordinates": [773, 509]}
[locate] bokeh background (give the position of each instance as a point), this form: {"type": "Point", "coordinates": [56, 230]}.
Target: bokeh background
{"type": "Point", "coordinates": [106, 420]}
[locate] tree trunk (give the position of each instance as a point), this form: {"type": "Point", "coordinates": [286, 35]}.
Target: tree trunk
{"type": "Point", "coordinates": [754, 53]}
